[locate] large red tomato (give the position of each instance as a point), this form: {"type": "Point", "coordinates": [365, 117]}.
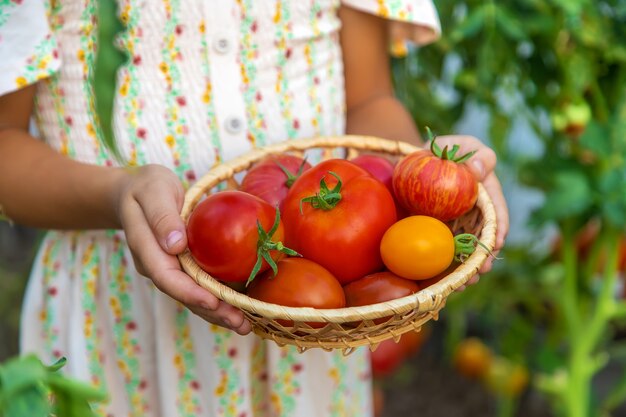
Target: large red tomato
{"type": "Point", "coordinates": [335, 214]}
{"type": "Point", "coordinates": [224, 236]}
{"type": "Point", "coordinates": [272, 177]}
{"type": "Point", "coordinates": [435, 183]}
{"type": "Point", "coordinates": [299, 283]}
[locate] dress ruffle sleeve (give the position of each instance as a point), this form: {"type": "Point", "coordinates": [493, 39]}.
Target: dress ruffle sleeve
{"type": "Point", "coordinates": [411, 21]}
{"type": "Point", "coordinates": [28, 49]}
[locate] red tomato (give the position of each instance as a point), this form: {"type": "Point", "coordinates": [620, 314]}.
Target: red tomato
{"type": "Point", "coordinates": [377, 288]}
{"type": "Point", "coordinates": [412, 341]}
{"type": "Point", "coordinates": [379, 167]}
{"type": "Point", "coordinates": [389, 355]}
{"type": "Point", "coordinates": [272, 177]}
{"type": "Point", "coordinates": [339, 225]}
{"type": "Point", "coordinates": [299, 283]}
{"type": "Point", "coordinates": [223, 234]}
{"type": "Point", "coordinates": [382, 169]}
{"type": "Point", "coordinates": [387, 358]}
{"type": "Point", "coordinates": [434, 183]}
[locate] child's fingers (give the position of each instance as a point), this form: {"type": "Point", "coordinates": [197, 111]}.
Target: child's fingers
{"type": "Point", "coordinates": [481, 163]}
{"type": "Point", "coordinates": [161, 207]}
{"type": "Point", "coordinates": [226, 316]}
{"type": "Point", "coordinates": [494, 189]}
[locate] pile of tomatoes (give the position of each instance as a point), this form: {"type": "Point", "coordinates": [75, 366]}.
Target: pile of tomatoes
{"type": "Point", "coordinates": [339, 233]}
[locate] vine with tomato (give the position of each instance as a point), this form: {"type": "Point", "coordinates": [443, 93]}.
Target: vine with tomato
{"type": "Point", "coordinates": [558, 66]}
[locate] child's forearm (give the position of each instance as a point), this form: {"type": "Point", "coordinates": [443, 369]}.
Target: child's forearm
{"type": "Point", "coordinates": [385, 117]}
{"type": "Point", "coordinates": [42, 188]}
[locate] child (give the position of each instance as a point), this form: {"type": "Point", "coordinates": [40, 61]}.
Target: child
{"type": "Point", "coordinates": [205, 81]}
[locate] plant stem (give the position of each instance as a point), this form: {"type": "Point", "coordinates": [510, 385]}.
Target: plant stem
{"type": "Point", "coordinates": [582, 365]}
{"type": "Point", "coordinates": [506, 406]}
{"type": "Point", "coordinates": [569, 297]}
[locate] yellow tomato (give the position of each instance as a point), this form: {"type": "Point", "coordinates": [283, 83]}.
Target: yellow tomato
{"type": "Point", "coordinates": [417, 247]}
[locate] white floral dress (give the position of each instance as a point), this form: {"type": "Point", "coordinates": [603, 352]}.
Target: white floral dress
{"type": "Point", "coordinates": [205, 81]}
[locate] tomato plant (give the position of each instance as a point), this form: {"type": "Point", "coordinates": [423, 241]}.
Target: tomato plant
{"type": "Point", "coordinates": [421, 247]}
{"type": "Point", "coordinates": [272, 177]}
{"type": "Point", "coordinates": [299, 282]}
{"type": "Point", "coordinates": [234, 235]}
{"type": "Point", "coordinates": [435, 183]}
{"type": "Point", "coordinates": [335, 214]}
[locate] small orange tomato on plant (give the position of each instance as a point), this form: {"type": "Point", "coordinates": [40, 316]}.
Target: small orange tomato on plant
{"type": "Point", "coordinates": [435, 183]}
{"type": "Point", "coordinates": [472, 358]}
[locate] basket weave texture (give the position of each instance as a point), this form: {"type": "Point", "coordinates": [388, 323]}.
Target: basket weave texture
{"type": "Point", "coordinates": [351, 327]}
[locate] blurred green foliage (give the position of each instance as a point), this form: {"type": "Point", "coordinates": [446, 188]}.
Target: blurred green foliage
{"type": "Point", "coordinates": [560, 67]}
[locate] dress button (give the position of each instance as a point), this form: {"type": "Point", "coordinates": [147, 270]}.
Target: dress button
{"type": "Point", "coordinates": [234, 125]}
{"type": "Point", "coordinates": [221, 44]}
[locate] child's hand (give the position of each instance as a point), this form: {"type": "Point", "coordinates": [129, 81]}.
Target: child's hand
{"type": "Point", "coordinates": [148, 206]}
{"type": "Point", "coordinates": [482, 165]}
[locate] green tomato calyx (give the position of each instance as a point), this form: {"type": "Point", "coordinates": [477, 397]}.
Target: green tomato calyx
{"type": "Point", "coordinates": [291, 178]}
{"type": "Point", "coordinates": [265, 244]}
{"type": "Point", "coordinates": [446, 154]}
{"type": "Point", "coordinates": [465, 245]}
{"type": "Point", "coordinates": [325, 199]}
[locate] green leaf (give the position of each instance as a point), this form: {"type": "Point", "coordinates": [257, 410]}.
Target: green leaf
{"type": "Point", "coordinates": [76, 389]}
{"type": "Point", "coordinates": [499, 128]}
{"type": "Point", "coordinates": [615, 53]}
{"type": "Point", "coordinates": [470, 26]}
{"type": "Point", "coordinates": [596, 139]}
{"type": "Point", "coordinates": [21, 373]}
{"type": "Point", "coordinates": [108, 60]}
{"type": "Point", "coordinates": [579, 71]}
{"type": "Point", "coordinates": [611, 186]}
{"type": "Point", "coordinates": [509, 26]}
{"type": "Point", "coordinates": [569, 195]}
{"type": "Point", "coordinates": [31, 402]}
{"type": "Point", "coordinates": [57, 365]}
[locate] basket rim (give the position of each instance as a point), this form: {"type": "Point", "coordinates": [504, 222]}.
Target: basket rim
{"type": "Point", "coordinates": [427, 299]}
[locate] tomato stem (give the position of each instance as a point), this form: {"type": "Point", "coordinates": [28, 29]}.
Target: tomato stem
{"type": "Point", "coordinates": [465, 245]}
{"type": "Point", "coordinates": [445, 153]}
{"type": "Point", "coordinates": [291, 178]}
{"type": "Point", "coordinates": [265, 245]}
{"type": "Point", "coordinates": [326, 199]}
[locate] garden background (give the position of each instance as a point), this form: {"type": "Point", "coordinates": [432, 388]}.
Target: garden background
{"type": "Point", "coordinates": [544, 83]}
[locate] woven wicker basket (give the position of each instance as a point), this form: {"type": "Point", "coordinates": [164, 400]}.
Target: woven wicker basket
{"type": "Point", "coordinates": [340, 332]}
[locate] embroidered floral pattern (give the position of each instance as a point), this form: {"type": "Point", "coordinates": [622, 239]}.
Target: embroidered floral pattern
{"type": "Point", "coordinates": [177, 128]}
{"type": "Point", "coordinates": [127, 346]}
{"type": "Point", "coordinates": [283, 36]}
{"type": "Point", "coordinates": [130, 86]}
{"type": "Point", "coordinates": [185, 363]}
{"type": "Point", "coordinates": [248, 54]}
